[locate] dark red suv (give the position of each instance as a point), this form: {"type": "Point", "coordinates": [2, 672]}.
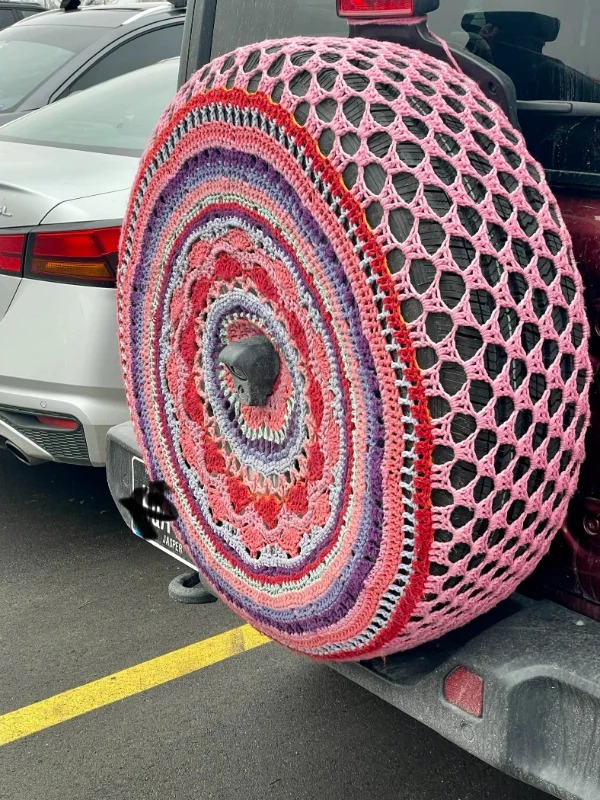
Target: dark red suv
{"type": "Point", "coordinates": [520, 687]}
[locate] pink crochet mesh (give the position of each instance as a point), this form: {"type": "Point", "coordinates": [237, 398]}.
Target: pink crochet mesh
{"type": "Point", "coordinates": [460, 288]}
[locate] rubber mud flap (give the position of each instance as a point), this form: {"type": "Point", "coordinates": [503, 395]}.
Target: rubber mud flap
{"type": "Point", "coordinates": [366, 209]}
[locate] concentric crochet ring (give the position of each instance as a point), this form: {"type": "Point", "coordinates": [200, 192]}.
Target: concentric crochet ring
{"type": "Point", "coordinates": [369, 212]}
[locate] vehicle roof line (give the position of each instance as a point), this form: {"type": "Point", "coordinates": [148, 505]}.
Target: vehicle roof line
{"type": "Point", "coordinates": [147, 12]}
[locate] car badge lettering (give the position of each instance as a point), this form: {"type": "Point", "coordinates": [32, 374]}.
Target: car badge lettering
{"type": "Point", "coordinates": [4, 212]}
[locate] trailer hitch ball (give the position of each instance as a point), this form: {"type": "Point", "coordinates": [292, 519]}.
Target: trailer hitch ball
{"type": "Point", "coordinates": [254, 366]}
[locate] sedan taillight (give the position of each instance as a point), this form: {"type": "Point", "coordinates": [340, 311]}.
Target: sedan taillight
{"type": "Point", "coordinates": [12, 246]}
{"type": "Point", "coordinates": [76, 256]}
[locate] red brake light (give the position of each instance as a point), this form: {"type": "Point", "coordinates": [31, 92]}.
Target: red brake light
{"type": "Point", "coordinates": [376, 8]}
{"type": "Point", "coordinates": [464, 689]}
{"type": "Point", "coordinates": [59, 422]}
{"type": "Point", "coordinates": [11, 253]}
{"type": "Point", "coordinates": [81, 255]}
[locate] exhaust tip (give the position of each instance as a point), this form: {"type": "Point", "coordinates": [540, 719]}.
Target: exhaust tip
{"type": "Point", "coordinates": [19, 454]}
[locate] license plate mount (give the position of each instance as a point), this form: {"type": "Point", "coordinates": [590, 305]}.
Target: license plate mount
{"type": "Point", "coordinates": [165, 537]}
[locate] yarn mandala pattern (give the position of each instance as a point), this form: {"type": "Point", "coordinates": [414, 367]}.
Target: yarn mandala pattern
{"type": "Point", "coordinates": [370, 212]}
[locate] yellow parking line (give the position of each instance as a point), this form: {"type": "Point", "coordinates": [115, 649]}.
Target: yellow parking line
{"type": "Point", "coordinates": [75, 702]}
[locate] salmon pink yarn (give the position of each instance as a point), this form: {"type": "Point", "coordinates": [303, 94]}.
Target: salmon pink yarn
{"type": "Point", "coordinates": [368, 210]}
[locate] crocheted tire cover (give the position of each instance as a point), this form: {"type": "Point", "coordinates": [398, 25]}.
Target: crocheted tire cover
{"type": "Point", "coordinates": [370, 212]}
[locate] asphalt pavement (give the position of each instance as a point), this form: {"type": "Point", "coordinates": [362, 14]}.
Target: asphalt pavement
{"type": "Point", "coordinates": [81, 598]}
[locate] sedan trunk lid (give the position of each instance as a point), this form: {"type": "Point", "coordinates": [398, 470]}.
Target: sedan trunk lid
{"type": "Point", "coordinates": [36, 179]}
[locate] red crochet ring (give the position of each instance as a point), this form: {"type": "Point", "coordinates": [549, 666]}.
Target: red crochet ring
{"type": "Point", "coordinates": [378, 224]}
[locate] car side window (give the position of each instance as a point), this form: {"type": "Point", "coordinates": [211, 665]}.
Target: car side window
{"type": "Point", "coordinates": [26, 12]}
{"type": "Point", "coordinates": [549, 49]}
{"type": "Point", "coordinates": [6, 17]}
{"type": "Point", "coordinates": [148, 48]}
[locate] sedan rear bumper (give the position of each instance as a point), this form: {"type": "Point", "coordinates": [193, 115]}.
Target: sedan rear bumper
{"type": "Point", "coordinates": [21, 445]}
{"type": "Point", "coordinates": [62, 359]}
{"type": "Point", "coordinates": [95, 411]}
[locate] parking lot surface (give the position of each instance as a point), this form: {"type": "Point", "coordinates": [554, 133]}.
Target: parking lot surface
{"type": "Point", "coordinates": [81, 599]}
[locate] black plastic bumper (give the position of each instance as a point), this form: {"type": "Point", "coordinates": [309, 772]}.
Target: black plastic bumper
{"type": "Point", "coordinates": [540, 664]}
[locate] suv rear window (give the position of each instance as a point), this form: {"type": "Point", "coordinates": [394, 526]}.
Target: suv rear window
{"type": "Point", "coordinates": [241, 22]}
{"type": "Point", "coordinates": [550, 49]}
{"type": "Point", "coordinates": [29, 54]}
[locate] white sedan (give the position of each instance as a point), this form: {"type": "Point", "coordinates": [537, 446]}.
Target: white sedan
{"type": "Point", "coordinates": [65, 177]}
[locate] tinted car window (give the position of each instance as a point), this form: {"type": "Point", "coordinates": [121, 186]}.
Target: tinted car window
{"type": "Point", "coordinates": [550, 49]}
{"type": "Point", "coordinates": [29, 54]}
{"type": "Point", "coordinates": [6, 17]}
{"type": "Point", "coordinates": [238, 23]}
{"type": "Point", "coordinates": [146, 49]}
{"type": "Point", "coordinates": [115, 117]}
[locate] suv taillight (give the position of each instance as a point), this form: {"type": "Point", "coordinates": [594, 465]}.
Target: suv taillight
{"type": "Point", "coordinates": [12, 246]}
{"type": "Point", "coordinates": [373, 9]}
{"type": "Point", "coordinates": [76, 256]}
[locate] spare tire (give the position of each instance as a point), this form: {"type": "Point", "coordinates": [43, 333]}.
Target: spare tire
{"type": "Point", "coordinates": [366, 209]}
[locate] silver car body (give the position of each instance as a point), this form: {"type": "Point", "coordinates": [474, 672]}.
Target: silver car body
{"type": "Point", "coordinates": [58, 342]}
